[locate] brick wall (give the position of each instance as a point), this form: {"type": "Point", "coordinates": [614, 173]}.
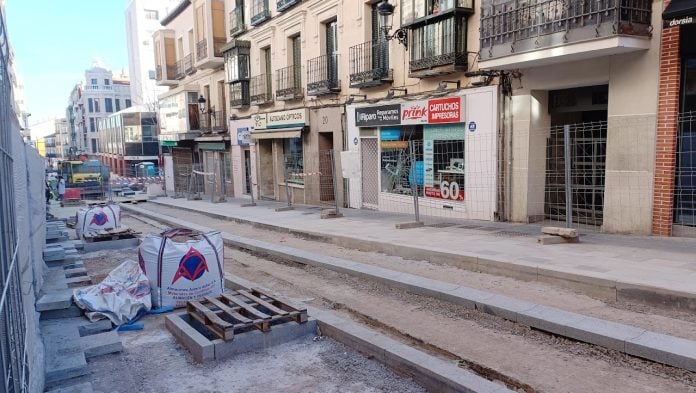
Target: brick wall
{"type": "Point", "coordinates": [666, 141]}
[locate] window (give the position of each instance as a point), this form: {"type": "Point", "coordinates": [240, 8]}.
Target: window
{"type": "Point", "coordinates": [259, 11]}
{"type": "Point", "coordinates": [294, 161]}
{"type": "Point", "coordinates": [92, 127]}
{"type": "Point", "coordinates": [151, 14]}
{"type": "Point", "coordinates": [412, 10]}
{"type": "Point", "coordinates": [128, 103]}
{"type": "Point", "coordinates": [118, 104]}
{"type": "Point", "coordinates": [94, 81]}
{"type": "Point", "coordinates": [266, 66]}
{"type": "Point", "coordinates": [297, 60]}
{"type": "Point", "coordinates": [397, 178]}
{"type": "Point", "coordinates": [108, 105]}
{"type": "Point", "coordinates": [90, 105]}
{"type": "Point", "coordinates": [96, 105]}
{"type": "Point", "coordinates": [439, 43]}
{"type": "Point", "coordinates": [107, 82]}
{"type": "Point", "coordinates": [151, 74]}
{"type": "Point", "coordinates": [94, 145]}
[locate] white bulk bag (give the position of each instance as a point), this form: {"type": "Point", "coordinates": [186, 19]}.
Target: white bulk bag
{"type": "Point", "coordinates": [122, 296]}
{"type": "Point", "coordinates": [180, 271]}
{"type": "Point", "coordinates": [97, 218]}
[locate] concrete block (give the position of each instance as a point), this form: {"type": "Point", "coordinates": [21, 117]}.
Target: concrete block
{"type": "Point", "coordinates": [247, 205]}
{"type": "Point", "coordinates": [284, 208]}
{"type": "Point", "coordinates": [75, 265]}
{"type": "Point", "coordinates": [55, 300]}
{"type": "Point", "coordinates": [604, 333]}
{"type": "Point", "coordinates": [409, 225]}
{"type": "Point", "coordinates": [198, 345]}
{"type": "Point", "coordinates": [558, 231]}
{"type": "Point", "coordinates": [111, 245]}
{"type": "Point", "coordinates": [65, 364]}
{"type": "Point", "coordinates": [85, 387]}
{"type": "Point", "coordinates": [70, 312]}
{"type": "Point", "coordinates": [255, 340]}
{"type": "Point", "coordinates": [89, 329]}
{"type": "Point", "coordinates": [549, 319]}
{"type": "Point", "coordinates": [504, 307]}
{"type": "Point", "coordinates": [101, 344]}
{"type": "Point", "coordinates": [79, 280]}
{"type": "Point", "coordinates": [74, 272]}
{"type": "Point", "coordinates": [661, 348]}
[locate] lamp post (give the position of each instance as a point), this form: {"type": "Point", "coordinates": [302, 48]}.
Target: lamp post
{"type": "Point", "coordinates": [386, 15]}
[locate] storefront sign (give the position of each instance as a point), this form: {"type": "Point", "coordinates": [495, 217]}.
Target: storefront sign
{"type": "Point", "coordinates": [445, 110]}
{"type": "Point", "coordinates": [259, 120]}
{"type": "Point", "coordinates": [287, 119]}
{"type": "Point", "coordinates": [414, 112]}
{"type": "Point", "coordinates": [211, 146]}
{"type": "Point", "coordinates": [687, 20]}
{"type": "Point", "coordinates": [243, 136]}
{"type": "Point", "coordinates": [384, 115]}
{"type": "Point", "coordinates": [168, 143]}
{"type": "Point", "coordinates": [394, 145]}
{"type": "Point", "coordinates": [390, 134]}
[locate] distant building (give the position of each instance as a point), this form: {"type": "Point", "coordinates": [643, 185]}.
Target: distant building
{"type": "Point", "coordinates": [142, 20]}
{"type": "Point", "coordinates": [101, 94]}
{"type": "Point", "coordinates": [62, 139]}
{"type": "Point", "coordinates": [127, 138]}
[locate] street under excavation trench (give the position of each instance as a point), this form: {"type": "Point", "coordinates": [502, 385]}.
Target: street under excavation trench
{"type": "Point", "coordinates": [524, 359]}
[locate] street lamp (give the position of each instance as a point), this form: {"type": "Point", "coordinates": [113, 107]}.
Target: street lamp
{"type": "Point", "coordinates": [386, 14]}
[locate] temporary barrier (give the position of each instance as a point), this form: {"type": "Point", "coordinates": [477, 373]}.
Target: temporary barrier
{"type": "Point", "coordinates": [122, 296]}
{"type": "Point", "coordinates": [182, 265]}
{"type": "Point", "coordinates": [97, 218]}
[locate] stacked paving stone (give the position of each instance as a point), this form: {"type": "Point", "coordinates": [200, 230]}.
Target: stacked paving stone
{"type": "Point", "coordinates": [69, 338]}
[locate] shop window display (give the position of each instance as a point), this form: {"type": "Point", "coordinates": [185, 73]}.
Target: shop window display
{"type": "Point", "coordinates": [396, 173]}
{"type": "Point", "coordinates": [294, 162]}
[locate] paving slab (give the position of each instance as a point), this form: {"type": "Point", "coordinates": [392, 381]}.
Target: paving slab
{"type": "Point", "coordinates": [55, 300]}
{"type": "Point", "coordinates": [85, 387]}
{"type": "Point", "coordinates": [100, 326]}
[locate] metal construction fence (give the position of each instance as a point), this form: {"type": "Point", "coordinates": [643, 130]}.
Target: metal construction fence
{"type": "Point", "coordinates": [685, 176]}
{"type": "Point", "coordinates": [22, 223]}
{"type": "Point", "coordinates": [315, 175]}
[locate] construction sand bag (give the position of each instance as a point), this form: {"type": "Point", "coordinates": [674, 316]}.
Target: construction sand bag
{"type": "Point", "coordinates": [182, 265]}
{"type": "Point", "coordinates": [97, 218]}
{"type": "Point", "coordinates": [122, 296]}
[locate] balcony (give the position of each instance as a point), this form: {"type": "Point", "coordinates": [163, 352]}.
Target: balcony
{"type": "Point", "coordinates": [282, 5]}
{"type": "Point", "coordinates": [289, 83]}
{"type": "Point", "coordinates": [322, 75]}
{"type": "Point", "coordinates": [517, 33]}
{"type": "Point", "coordinates": [369, 64]}
{"type": "Point", "coordinates": [206, 59]}
{"type": "Point", "coordinates": [438, 47]}
{"type": "Point", "coordinates": [180, 74]}
{"type": "Point", "coordinates": [202, 50]}
{"type": "Point", "coordinates": [261, 90]}
{"type": "Point", "coordinates": [239, 94]}
{"type": "Point", "coordinates": [237, 21]}
{"type": "Point", "coordinates": [259, 12]}
{"type": "Point", "coordinates": [214, 122]}
{"type": "Point", "coordinates": [189, 69]}
{"type": "Point", "coordinates": [165, 75]}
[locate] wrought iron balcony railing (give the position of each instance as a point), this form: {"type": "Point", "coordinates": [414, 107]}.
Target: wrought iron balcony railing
{"type": "Point", "coordinates": [179, 70]}
{"type": "Point", "coordinates": [189, 69]}
{"type": "Point", "coordinates": [289, 83]}
{"type": "Point", "coordinates": [282, 5]}
{"type": "Point", "coordinates": [438, 44]}
{"type": "Point", "coordinates": [322, 75]}
{"type": "Point", "coordinates": [237, 21]}
{"type": "Point", "coordinates": [239, 94]}
{"type": "Point", "coordinates": [202, 50]}
{"type": "Point", "coordinates": [213, 122]}
{"type": "Point", "coordinates": [516, 26]}
{"type": "Point", "coordinates": [260, 90]}
{"type": "Point", "coordinates": [259, 12]}
{"type": "Point", "coordinates": [369, 64]}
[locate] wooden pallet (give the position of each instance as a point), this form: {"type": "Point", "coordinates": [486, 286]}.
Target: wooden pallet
{"type": "Point", "coordinates": [241, 311]}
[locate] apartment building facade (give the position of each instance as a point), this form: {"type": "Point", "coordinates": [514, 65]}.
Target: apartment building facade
{"type": "Point", "coordinates": [101, 94]}
{"type": "Point", "coordinates": [193, 112]}
{"type": "Point", "coordinates": [142, 20]}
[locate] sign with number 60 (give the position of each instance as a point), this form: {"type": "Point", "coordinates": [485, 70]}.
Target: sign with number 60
{"type": "Point", "coordinates": [449, 190]}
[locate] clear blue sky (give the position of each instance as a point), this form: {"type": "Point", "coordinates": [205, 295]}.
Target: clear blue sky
{"type": "Point", "coordinates": [55, 42]}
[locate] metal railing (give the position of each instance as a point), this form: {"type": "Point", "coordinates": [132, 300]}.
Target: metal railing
{"type": "Point", "coordinates": [236, 21]}
{"type": "Point", "coordinates": [322, 75]}
{"type": "Point", "coordinates": [239, 94]}
{"type": "Point", "coordinates": [685, 174]}
{"type": "Point", "coordinates": [259, 11]}
{"type": "Point", "coordinates": [369, 64]}
{"type": "Point", "coordinates": [260, 90]}
{"type": "Point", "coordinates": [179, 70]}
{"type": "Point", "coordinates": [438, 44]}
{"type": "Point", "coordinates": [202, 49]}
{"type": "Point", "coordinates": [188, 65]}
{"type": "Point", "coordinates": [213, 121]}
{"type": "Point", "coordinates": [289, 83]}
{"type": "Point", "coordinates": [509, 22]}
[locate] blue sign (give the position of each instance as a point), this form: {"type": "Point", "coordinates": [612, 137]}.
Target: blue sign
{"type": "Point", "coordinates": [390, 134]}
{"type": "Point", "coordinates": [472, 126]}
{"type": "Point", "coordinates": [243, 136]}
{"type": "Point", "coordinates": [355, 141]}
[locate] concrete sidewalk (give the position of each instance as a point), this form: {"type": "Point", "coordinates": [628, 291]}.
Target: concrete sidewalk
{"type": "Point", "coordinates": [658, 271]}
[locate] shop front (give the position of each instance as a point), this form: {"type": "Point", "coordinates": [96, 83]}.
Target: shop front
{"type": "Point", "coordinates": [442, 149]}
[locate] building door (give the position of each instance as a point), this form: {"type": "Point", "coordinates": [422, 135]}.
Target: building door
{"type": "Point", "coordinates": [332, 52]}
{"type": "Point", "coordinates": [182, 161]}
{"type": "Point", "coordinates": [247, 172]}
{"type": "Point", "coordinates": [380, 46]}
{"type": "Point", "coordinates": [685, 176]}
{"type": "Point", "coordinates": [267, 179]}
{"type": "Point", "coordinates": [369, 160]}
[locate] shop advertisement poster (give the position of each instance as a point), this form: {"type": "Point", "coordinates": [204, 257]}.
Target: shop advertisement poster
{"type": "Point", "coordinates": [445, 110]}
{"type": "Point", "coordinates": [446, 183]}
{"type": "Point", "coordinates": [384, 115]}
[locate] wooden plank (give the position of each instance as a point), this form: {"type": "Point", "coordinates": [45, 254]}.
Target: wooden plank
{"type": "Point", "coordinates": [262, 302]}
{"type": "Point", "coordinates": [258, 292]}
{"type": "Point", "coordinates": [229, 311]}
{"type": "Point", "coordinates": [209, 319]}
{"type": "Point", "coordinates": [246, 307]}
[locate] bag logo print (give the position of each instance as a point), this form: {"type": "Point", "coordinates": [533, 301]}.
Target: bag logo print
{"type": "Point", "coordinates": [192, 266]}
{"type": "Point", "coordinates": [141, 262]}
{"type": "Point", "coordinates": [99, 219]}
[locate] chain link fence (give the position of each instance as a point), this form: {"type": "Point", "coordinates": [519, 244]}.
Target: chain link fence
{"type": "Point", "coordinates": [685, 176]}
{"type": "Point", "coordinates": [313, 176]}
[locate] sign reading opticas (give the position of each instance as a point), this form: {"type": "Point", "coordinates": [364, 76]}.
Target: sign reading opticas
{"type": "Point", "coordinates": [435, 111]}
{"type": "Point", "coordinates": [285, 119]}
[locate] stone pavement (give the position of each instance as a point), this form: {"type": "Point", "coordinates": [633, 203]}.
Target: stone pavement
{"type": "Point", "coordinates": [660, 271]}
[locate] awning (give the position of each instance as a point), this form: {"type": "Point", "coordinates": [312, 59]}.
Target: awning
{"type": "Point", "coordinates": [280, 133]}
{"type": "Point", "coordinates": [680, 12]}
